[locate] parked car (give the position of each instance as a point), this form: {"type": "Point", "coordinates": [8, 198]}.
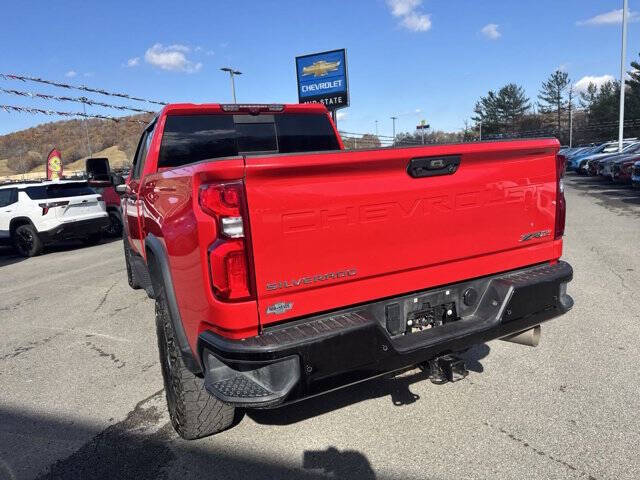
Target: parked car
{"type": "Point", "coordinates": [284, 267]}
{"type": "Point", "coordinates": [635, 175]}
{"type": "Point", "coordinates": [621, 171]}
{"type": "Point", "coordinates": [574, 158]}
{"type": "Point", "coordinates": [606, 163]}
{"type": "Point", "coordinates": [33, 215]}
{"type": "Point", "coordinates": [584, 163]}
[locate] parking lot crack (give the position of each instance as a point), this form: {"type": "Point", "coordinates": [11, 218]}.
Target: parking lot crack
{"type": "Point", "coordinates": [29, 346]}
{"type": "Point", "coordinates": [104, 297]}
{"type": "Point", "coordinates": [119, 363]}
{"type": "Point", "coordinates": [538, 451]}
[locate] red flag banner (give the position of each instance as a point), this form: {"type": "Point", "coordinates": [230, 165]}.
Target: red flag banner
{"type": "Point", "coordinates": [54, 165]}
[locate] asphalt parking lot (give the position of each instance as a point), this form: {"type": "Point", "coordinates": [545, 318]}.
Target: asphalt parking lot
{"type": "Point", "coordinates": [81, 391]}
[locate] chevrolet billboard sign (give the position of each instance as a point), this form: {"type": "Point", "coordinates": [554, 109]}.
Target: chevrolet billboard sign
{"type": "Point", "coordinates": [322, 78]}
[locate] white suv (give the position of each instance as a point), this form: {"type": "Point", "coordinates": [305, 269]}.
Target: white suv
{"type": "Point", "coordinates": [35, 214]}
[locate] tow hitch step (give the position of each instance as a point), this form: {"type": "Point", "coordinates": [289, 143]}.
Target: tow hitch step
{"type": "Point", "coordinates": [447, 368]}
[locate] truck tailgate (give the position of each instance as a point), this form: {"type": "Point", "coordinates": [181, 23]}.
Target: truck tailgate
{"type": "Point", "coordinates": [330, 230]}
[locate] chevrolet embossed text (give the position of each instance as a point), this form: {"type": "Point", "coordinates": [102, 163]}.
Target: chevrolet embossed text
{"type": "Point", "coordinates": [298, 282]}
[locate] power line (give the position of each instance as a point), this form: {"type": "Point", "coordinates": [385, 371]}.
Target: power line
{"type": "Point", "coordinates": [40, 111]}
{"type": "Point", "coordinates": [25, 78]}
{"type": "Point", "coordinates": [83, 100]}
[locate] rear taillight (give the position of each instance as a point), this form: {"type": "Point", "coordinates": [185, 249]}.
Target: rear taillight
{"type": "Point", "coordinates": [228, 254]}
{"type": "Point", "coordinates": [46, 206]}
{"type": "Point", "coordinates": [561, 205]}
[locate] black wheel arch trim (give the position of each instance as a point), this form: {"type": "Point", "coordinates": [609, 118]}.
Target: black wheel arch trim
{"type": "Point", "coordinates": [18, 221]}
{"type": "Point", "coordinates": [160, 272]}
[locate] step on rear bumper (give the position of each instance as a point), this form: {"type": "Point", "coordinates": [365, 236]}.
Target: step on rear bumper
{"type": "Point", "coordinates": [314, 355]}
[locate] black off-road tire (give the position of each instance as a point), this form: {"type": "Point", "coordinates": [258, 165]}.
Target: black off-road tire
{"type": "Point", "coordinates": [131, 274]}
{"type": "Point", "coordinates": [194, 412]}
{"type": "Point", "coordinates": [27, 241]}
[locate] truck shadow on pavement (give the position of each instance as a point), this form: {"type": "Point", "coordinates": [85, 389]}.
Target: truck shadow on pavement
{"type": "Point", "coordinates": [144, 446]}
{"type": "Point", "coordinates": [396, 387]}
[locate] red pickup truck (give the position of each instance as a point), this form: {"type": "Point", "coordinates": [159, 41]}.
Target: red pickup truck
{"type": "Point", "coordinates": [284, 267]}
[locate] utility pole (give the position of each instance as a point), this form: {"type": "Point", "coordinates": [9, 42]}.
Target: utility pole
{"type": "Point", "coordinates": [84, 122]}
{"type": "Point", "coordinates": [376, 128]}
{"type": "Point", "coordinates": [480, 130]}
{"type": "Point", "coordinates": [623, 59]}
{"type": "Point", "coordinates": [394, 129]}
{"type": "Point", "coordinates": [232, 73]}
{"type": "Point", "coordinates": [571, 116]}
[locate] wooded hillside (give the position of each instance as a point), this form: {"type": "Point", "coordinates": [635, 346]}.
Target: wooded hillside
{"type": "Point", "coordinates": [26, 150]}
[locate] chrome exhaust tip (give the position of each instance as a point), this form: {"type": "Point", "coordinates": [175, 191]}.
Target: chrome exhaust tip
{"type": "Point", "coordinates": [530, 337]}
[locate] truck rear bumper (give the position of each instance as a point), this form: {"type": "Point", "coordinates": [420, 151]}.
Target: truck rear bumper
{"type": "Point", "coordinates": [306, 357]}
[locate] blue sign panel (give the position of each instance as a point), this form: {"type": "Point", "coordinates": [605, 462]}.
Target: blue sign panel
{"type": "Point", "coordinates": [322, 78]}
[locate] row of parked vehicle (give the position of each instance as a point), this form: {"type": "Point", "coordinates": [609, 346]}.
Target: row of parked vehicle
{"type": "Point", "coordinates": [35, 214]}
{"type": "Point", "coordinates": [606, 160]}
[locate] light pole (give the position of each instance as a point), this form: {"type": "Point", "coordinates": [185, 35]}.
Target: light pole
{"type": "Point", "coordinates": [623, 58]}
{"type": "Point", "coordinates": [394, 129]}
{"type": "Point", "coordinates": [232, 72]}
{"type": "Point", "coordinates": [376, 128]}
{"type": "Point", "coordinates": [571, 116]}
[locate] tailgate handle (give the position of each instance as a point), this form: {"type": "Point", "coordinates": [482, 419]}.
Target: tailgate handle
{"type": "Point", "coordinates": [433, 166]}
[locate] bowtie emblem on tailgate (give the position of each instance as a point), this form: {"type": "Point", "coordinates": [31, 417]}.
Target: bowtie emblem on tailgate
{"type": "Point", "coordinates": [279, 308]}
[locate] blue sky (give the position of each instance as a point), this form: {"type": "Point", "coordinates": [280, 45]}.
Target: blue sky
{"type": "Point", "coordinates": [409, 58]}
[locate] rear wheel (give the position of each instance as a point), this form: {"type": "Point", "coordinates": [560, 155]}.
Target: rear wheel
{"type": "Point", "coordinates": [194, 412]}
{"type": "Point", "coordinates": [131, 274]}
{"type": "Point", "coordinates": [114, 229]}
{"type": "Point", "coordinates": [27, 241]}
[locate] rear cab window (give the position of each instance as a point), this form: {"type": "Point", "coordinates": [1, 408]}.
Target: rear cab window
{"type": "Point", "coordinates": [62, 190]}
{"type": "Point", "coordinates": [192, 138]}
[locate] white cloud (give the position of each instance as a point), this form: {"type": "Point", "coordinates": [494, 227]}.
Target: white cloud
{"type": "Point", "coordinates": [87, 74]}
{"type": "Point", "coordinates": [411, 18]}
{"type": "Point", "coordinates": [172, 58]}
{"type": "Point", "coordinates": [582, 84]}
{"type": "Point", "coordinates": [71, 74]}
{"type": "Point", "coordinates": [400, 8]}
{"type": "Point", "coordinates": [341, 115]}
{"type": "Point", "coordinates": [133, 62]}
{"type": "Point", "coordinates": [491, 31]}
{"type": "Point", "coordinates": [614, 17]}
{"type": "Point", "coordinates": [417, 22]}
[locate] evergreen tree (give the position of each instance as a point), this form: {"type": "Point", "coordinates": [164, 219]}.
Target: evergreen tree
{"type": "Point", "coordinates": [552, 95]}
{"type": "Point", "coordinates": [500, 112]}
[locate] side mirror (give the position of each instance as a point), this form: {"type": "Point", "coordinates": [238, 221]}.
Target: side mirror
{"type": "Point", "coordinates": [98, 169]}
{"type": "Point", "coordinates": [121, 188]}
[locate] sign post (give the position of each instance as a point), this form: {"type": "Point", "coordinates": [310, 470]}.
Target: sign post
{"type": "Point", "coordinates": [322, 78]}
{"type": "Point", "coordinates": [422, 127]}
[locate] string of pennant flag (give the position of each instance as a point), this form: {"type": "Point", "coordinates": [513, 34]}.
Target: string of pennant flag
{"type": "Point", "coordinates": [84, 100]}
{"type": "Point", "coordinates": [40, 111]}
{"type": "Point", "coordinates": [25, 78]}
